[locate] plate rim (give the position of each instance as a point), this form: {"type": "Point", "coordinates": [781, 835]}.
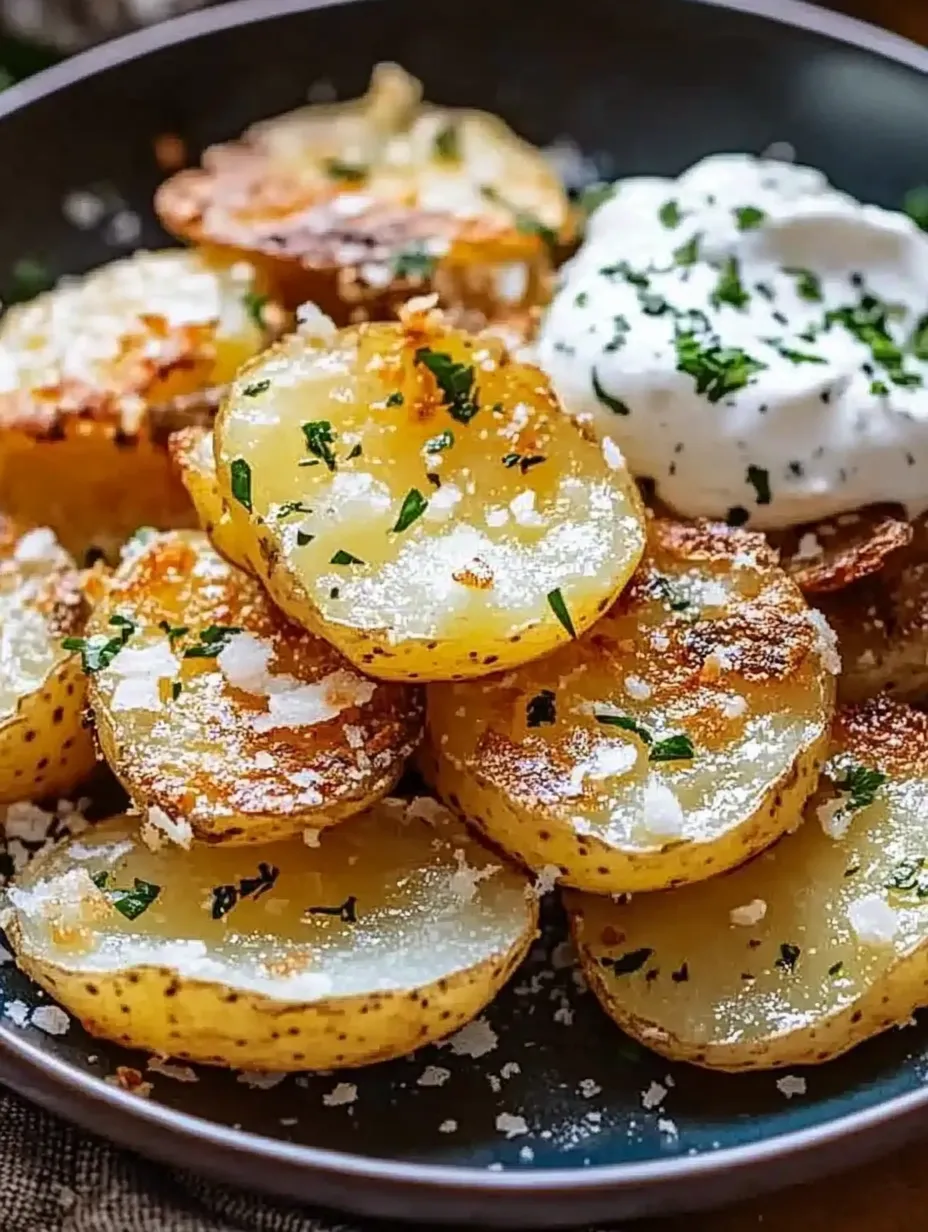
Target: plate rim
{"type": "Point", "coordinates": [319, 1174]}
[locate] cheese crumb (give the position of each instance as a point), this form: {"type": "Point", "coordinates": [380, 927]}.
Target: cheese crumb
{"type": "Point", "coordinates": [39, 546]}
{"type": "Point", "coordinates": [51, 1019]}
{"type": "Point", "coordinates": [510, 1125]}
{"type": "Point", "coordinates": [259, 1080]}
{"type": "Point", "coordinates": [662, 813]}
{"type": "Point", "coordinates": [433, 1076]}
{"type": "Point", "coordinates": [343, 1093]}
{"type": "Point", "coordinates": [588, 1088]}
{"type": "Point", "coordinates": [179, 1073]}
{"type": "Point", "coordinates": [808, 547]}
{"type": "Point", "coordinates": [750, 914]}
{"type": "Point", "coordinates": [522, 507]}
{"type": "Point", "coordinates": [244, 662]}
{"type": "Point", "coordinates": [448, 1127]}
{"type": "Point", "coordinates": [546, 880]}
{"type": "Point", "coordinates": [176, 830]}
{"type": "Point", "coordinates": [733, 707]}
{"type": "Point", "coordinates": [790, 1085]}
{"type": "Point", "coordinates": [442, 504]}
{"type": "Point", "coordinates": [17, 1012]}
{"type": "Point", "coordinates": [612, 454]}
{"type": "Point", "coordinates": [654, 1096]}
{"type": "Point", "coordinates": [668, 1127]}
{"type": "Point", "coordinates": [873, 920]}
{"type": "Point", "coordinates": [474, 1040]}
{"type": "Point", "coordinates": [637, 688]}
{"type": "Point", "coordinates": [826, 642]}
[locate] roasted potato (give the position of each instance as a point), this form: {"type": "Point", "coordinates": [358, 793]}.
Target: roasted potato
{"type": "Point", "coordinates": [96, 373]}
{"type": "Point", "coordinates": [394, 931]}
{"type": "Point", "coordinates": [45, 750]}
{"type": "Point", "coordinates": [414, 496]}
{"type": "Point", "coordinates": [191, 452]}
{"type": "Point", "coordinates": [358, 205]}
{"type": "Point", "coordinates": [672, 741]}
{"type": "Point", "coordinates": [830, 555]}
{"type": "Point", "coordinates": [224, 720]}
{"type": "Point", "coordinates": [814, 946]}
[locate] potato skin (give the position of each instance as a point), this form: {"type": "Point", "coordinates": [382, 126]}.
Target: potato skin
{"type": "Point", "coordinates": [191, 453]}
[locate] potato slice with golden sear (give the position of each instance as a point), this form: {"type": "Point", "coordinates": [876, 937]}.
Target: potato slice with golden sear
{"type": "Point", "coordinates": [394, 931]}
{"type": "Point", "coordinates": [191, 452]}
{"type": "Point", "coordinates": [672, 741]}
{"type": "Point", "coordinates": [833, 554]}
{"type": "Point", "coordinates": [45, 750]}
{"type": "Point", "coordinates": [814, 946]}
{"type": "Point", "coordinates": [96, 373]}
{"type": "Point", "coordinates": [358, 205]}
{"type": "Point", "coordinates": [421, 500]}
{"type": "Point", "coordinates": [224, 719]}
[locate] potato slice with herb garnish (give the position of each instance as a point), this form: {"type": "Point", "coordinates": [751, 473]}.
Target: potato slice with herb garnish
{"type": "Point", "coordinates": [358, 205]}
{"type": "Point", "coordinates": [96, 373]}
{"type": "Point", "coordinates": [221, 717]}
{"type": "Point", "coordinates": [394, 931]}
{"type": "Point", "coordinates": [814, 946]}
{"type": "Point", "coordinates": [416, 497]}
{"type": "Point", "coordinates": [45, 750]}
{"type": "Point", "coordinates": [671, 742]}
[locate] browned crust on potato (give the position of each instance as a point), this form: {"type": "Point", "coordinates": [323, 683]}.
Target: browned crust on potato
{"type": "Point", "coordinates": [847, 548]}
{"type": "Point", "coordinates": [884, 734]}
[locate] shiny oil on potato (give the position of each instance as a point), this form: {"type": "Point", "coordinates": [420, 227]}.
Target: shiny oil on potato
{"type": "Point", "coordinates": [45, 749]}
{"type": "Point", "coordinates": [812, 947]}
{"type": "Point", "coordinates": [394, 931]}
{"type": "Point", "coordinates": [672, 741]}
{"type": "Point", "coordinates": [420, 500]}
{"type": "Point", "coordinates": [357, 205]}
{"type": "Point", "coordinates": [96, 373]}
{"type": "Point", "coordinates": [221, 718]}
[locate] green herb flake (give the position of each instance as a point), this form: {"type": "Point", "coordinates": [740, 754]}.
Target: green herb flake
{"type": "Point", "coordinates": [413, 507]}
{"type": "Point", "coordinates": [319, 439]}
{"type": "Point", "coordinates": [918, 343]}
{"type": "Point", "coordinates": [352, 173]}
{"type": "Point", "coordinates": [616, 405]}
{"type": "Point", "coordinates": [456, 382]}
{"type": "Point", "coordinates": [524, 462]}
{"type": "Point", "coordinates": [673, 748]}
{"type": "Point", "coordinates": [791, 354]}
{"type": "Point", "coordinates": [176, 689]}
{"type": "Point", "coordinates": [730, 289]}
{"type": "Point", "coordinates": [789, 956]}
{"type": "Point", "coordinates": [595, 195]}
{"type": "Point", "coordinates": [688, 253]}
{"type": "Point", "coordinates": [395, 399]}
{"type": "Point", "coordinates": [135, 902]}
{"type": "Point", "coordinates": [173, 631]}
{"type": "Point", "coordinates": [836, 968]}
{"type": "Point", "coordinates": [288, 508]}
{"type": "Point", "coordinates": [354, 453]}
{"type": "Point", "coordinates": [303, 538]}
{"type": "Point", "coordinates": [444, 440]}
{"type": "Point", "coordinates": [257, 387]}
{"type": "Point", "coordinates": [559, 608]}
{"type": "Point", "coordinates": [879, 389]}
{"type": "Point", "coordinates": [626, 723]}
{"type": "Point", "coordinates": [748, 217]}
{"type": "Point", "coordinates": [862, 783]}
{"type": "Point", "coordinates": [98, 651]}
{"type": "Point", "coordinates": [29, 277]}
{"type": "Point", "coordinates": [342, 557]}
{"type": "Point", "coordinates": [628, 963]}
{"type": "Point", "coordinates": [414, 263]}
{"type": "Point", "coordinates": [759, 479]}
{"type": "Point", "coordinates": [254, 306]}
{"type": "Point", "coordinates": [670, 215]}
{"type": "Point", "coordinates": [447, 144]}
{"type": "Point", "coordinates": [211, 641]}
{"type": "Point", "coordinates": [868, 322]}
{"type": "Point", "coordinates": [541, 709]}
{"type": "Point", "coordinates": [240, 479]}
{"type": "Point", "coordinates": [808, 284]}
{"type": "Point", "coordinates": [915, 204]}
{"type": "Point", "coordinates": [526, 223]}
{"type": "Point", "coordinates": [717, 370]}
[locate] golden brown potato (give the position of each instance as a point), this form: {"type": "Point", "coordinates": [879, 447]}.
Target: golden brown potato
{"type": "Point", "coordinates": [675, 739]}
{"type": "Point", "coordinates": [95, 374]}
{"type": "Point", "coordinates": [832, 554]}
{"type": "Point", "coordinates": [357, 205]}
{"type": "Point", "coordinates": [394, 931]}
{"type": "Point", "coordinates": [191, 452]}
{"type": "Point", "coordinates": [799, 955]}
{"type": "Point", "coordinates": [45, 750]}
{"type": "Point", "coordinates": [416, 497]}
{"type": "Point", "coordinates": [224, 720]}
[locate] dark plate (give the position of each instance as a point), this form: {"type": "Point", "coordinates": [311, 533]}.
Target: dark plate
{"type": "Point", "coordinates": [641, 87]}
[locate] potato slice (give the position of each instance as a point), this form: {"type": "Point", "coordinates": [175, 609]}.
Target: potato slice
{"type": "Point", "coordinates": [672, 741]}
{"type": "Point", "coordinates": [191, 452]}
{"type": "Point", "coordinates": [421, 501]}
{"type": "Point", "coordinates": [796, 957]}
{"type": "Point", "coordinates": [837, 552]}
{"type": "Point", "coordinates": [394, 931]}
{"type": "Point", "coordinates": [45, 750]}
{"type": "Point", "coordinates": [358, 205]}
{"type": "Point", "coordinates": [94, 374]}
{"type": "Point", "coordinates": [225, 719]}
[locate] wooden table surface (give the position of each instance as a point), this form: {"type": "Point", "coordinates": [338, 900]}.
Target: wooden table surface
{"type": "Point", "coordinates": [890, 1195]}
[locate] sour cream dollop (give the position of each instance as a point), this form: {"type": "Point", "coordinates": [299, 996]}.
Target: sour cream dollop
{"type": "Point", "coordinates": [755, 340]}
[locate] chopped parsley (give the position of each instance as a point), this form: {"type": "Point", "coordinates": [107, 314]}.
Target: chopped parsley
{"type": "Point", "coordinates": [212, 640]}
{"type": "Point", "coordinates": [541, 709]}
{"type": "Point", "coordinates": [670, 215]}
{"type": "Point", "coordinates": [98, 651]}
{"type": "Point", "coordinates": [173, 631]}
{"type": "Point", "coordinates": [862, 784]}
{"type": "Point", "coordinates": [524, 461]}
{"type": "Point", "coordinates": [629, 962]}
{"type": "Point", "coordinates": [879, 389]}
{"type": "Point", "coordinates": [730, 289]}
{"type": "Point", "coordinates": [414, 263]}
{"type": "Point", "coordinates": [627, 724]}
{"type": "Point", "coordinates": [808, 285]}
{"type": "Point", "coordinates": [759, 479]}
{"type": "Point", "coordinates": [444, 440]}
{"type": "Point", "coordinates": [674, 748]}
{"type": "Point", "coordinates": [255, 304]}
{"type": "Point", "coordinates": [836, 968]}
{"type": "Point", "coordinates": [287, 509]}
{"type": "Point", "coordinates": [176, 689]}
{"type": "Point", "coordinates": [319, 438]}
{"type": "Point", "coordinates": [748, 217]}
{"type": "Point", "coordinates": [355, 452]}
{"type": "Point", "coordinates": [456, 382]}
{"type": "Point", "coordinates": [789, 956]}
{"type": "Point", "coordinates": [717, 370]}
{"type": "Point", "coordinates": [257, 387]}
{"type": "Point", "coordinates": [915, 204]}
{"type": "Point", "coordinates": [559, 608]}
{"type": "Point", "coordinates": [526, 223]}
{"type": "Point", "coordinates": [794, 356]}
{"type": "Point", "coordinates": [28, 278]}
{"type": "Point", "coordinates": [347, 911]}
{"type": "Point", "coordinates": [413, 507]}
{"type": "Point", "coordinates": [919, 340]}
{"type": "Point", "coordinates": [225, 897]}
{"type": "Point", "coordinates": [671, 593]}
{"type": "Point", "coordinates": [335, 169]}
{"type": "Point", "coordinates": [616, 405]}
{"type": "Point", "coordinates": [135, 902]}
{"type": "Point", "coordinates": [303, 537]}
{"type": "Point", "coordinates": [688, 252]}
{"type": "Point", "coordinates": [595, 195]}
{"type": "Point", "coordinates": [868, 322]}
{"type": "Point", "coordinates": [395, 399]}
{"type": "Point", "coordinates": [909, 875]}
{"type": "Point", "coordinates": [342, 557]}
{"type": "Point", "coordinates": [447, 143]}
{"type": "Point", "coordinates": [240, 479]}
{"type": "Point", "coordinates": [620, 330]}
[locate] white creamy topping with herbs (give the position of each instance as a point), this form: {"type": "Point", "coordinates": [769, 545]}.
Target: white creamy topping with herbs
{"type": "Point", "coordinates": [754, 340]}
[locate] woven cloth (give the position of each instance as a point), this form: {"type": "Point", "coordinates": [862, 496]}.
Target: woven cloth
{"type": "Point", "coordinates": [56, 1178]}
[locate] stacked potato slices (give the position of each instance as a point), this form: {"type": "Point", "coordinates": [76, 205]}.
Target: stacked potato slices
{"type": "Point", "coordinates": [408, 553]}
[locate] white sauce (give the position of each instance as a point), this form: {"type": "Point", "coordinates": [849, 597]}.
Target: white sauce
{"type": "Point", "coordinates": [769, 262]}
